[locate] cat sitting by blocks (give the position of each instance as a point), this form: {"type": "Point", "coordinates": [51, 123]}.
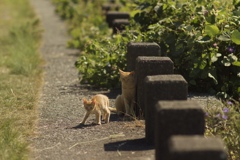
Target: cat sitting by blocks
{"type": "Point", "coordinates": [97, 105]}
{"type": "Point", "coordinates": [125, 103]}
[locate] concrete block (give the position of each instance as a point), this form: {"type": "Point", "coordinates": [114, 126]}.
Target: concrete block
{"type": "Point", "coordinates": [148, 66]}
{"type": "Point", "coordinates": [176, 118]}
{"type": "Point", "coordinates": [196, 148]}
{"type": "Point", "coordinates": [161, 87]}
{"type": "Point", "coordinates": [112, 1]}
{"type": "Point", "coordinates": [140, 49]}
{"type": "Point", "coordinates": [110, 7]}
{"type": "Point", "coordinates": [112, 15]}
{"type": "Point", "coordinates": [119, 25]}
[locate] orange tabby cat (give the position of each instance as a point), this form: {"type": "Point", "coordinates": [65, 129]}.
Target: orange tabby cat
{"type": "Point", "coordinates": [97, 104]}
{"type": "Point", "coordinates": [125, 103]}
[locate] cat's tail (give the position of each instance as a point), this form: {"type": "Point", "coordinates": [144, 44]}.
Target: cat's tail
{"type": "Point", "coordinates": [113, 109]}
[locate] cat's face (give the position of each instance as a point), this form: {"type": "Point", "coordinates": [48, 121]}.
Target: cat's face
{"type": "Point", "coordinates": [127, 77]}
{"type": "Point", "coordinates": [88, 105]}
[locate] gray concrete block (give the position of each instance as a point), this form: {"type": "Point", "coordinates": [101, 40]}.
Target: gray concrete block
{"type": "Point", "coordinates": [161, 87]}
{"type": "Point", "coordinates": [147, 66]}
{"type": "Point", "coordinates": [110, 7]}
{"type": "Point", "coordinates": [112, 1]}
{"type": "Point", "coordinates": [112, 15]}
{"type": "Point", "coordinates": [176, 118]}
{"type": "Point", "coordinates": [119, 25]}
{"type": "Point", "coordinates": [140, 49]}
{"type": "Point", "coordinates": [196, 148]}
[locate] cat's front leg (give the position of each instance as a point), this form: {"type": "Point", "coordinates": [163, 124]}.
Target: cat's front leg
{"type": "Point", "coordinates": [104, 116]}
{"type": "Point", "coordinates": [107, 115]}
{"type": "Point", "coordinates": [119, 105]}
{"type": "Point", "coordinates": [98, 117]}
{"type": "Point", "coordinates": [85, 117]}
{"type": "Point", "coordinates": [127, 107]}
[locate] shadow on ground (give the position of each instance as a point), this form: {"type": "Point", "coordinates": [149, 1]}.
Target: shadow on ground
{"type": "Point", "coordinates": [79, 89]}
{"type": "Point", "coordinates": [113, 118]}
{"type": "Point", "coordinates": [128, 145]}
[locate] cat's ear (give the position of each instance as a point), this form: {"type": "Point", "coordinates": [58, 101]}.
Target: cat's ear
{"type": "Point", "coordinates": [132, 72]}
{"type": "Point", "coordinates": [84, 100]}
{"type": "Point", "coordinates": [120, 71]}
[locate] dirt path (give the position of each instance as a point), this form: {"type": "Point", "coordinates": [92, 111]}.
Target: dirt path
{"type": "Point", "coordinates": [60, 107]}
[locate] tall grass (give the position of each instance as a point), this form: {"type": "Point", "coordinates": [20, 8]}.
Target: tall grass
{"type": "Point", "coordinates": [20, 77]}
{"type": "Point", "coordinates": [23, 59]}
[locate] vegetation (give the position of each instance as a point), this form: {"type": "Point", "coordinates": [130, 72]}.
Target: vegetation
{"type": "Point", "coordinates": [202, 37]}
{"type": "Point", "coordinates": [223, 120]}
{"type": "Point", "coordinates": [102, 54]}
{"type": "Point", "coordinates": [20, 77]}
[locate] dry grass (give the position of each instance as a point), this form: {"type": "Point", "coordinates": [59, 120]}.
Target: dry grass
{"type": "Point", "coordinates": [20, 77]}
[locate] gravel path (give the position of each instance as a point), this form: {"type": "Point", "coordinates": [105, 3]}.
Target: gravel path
{"type": "Point", "coordinates": [58, 135]}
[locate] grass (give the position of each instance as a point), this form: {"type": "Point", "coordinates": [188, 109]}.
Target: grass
{"type": "Point", "coordinates": [20, 77]}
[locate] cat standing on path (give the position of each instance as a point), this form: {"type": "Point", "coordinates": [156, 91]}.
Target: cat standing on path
{"type": "Point", "coordinates": [99, 103]}
{"type": "Point", "coordinates": [125, 102]}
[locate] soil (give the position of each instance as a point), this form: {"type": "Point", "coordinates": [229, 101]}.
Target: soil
{"type": "Point", "coordinates": [58, 133]}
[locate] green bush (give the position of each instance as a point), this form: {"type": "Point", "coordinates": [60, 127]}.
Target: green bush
{"type": "Point", "coordinates": [101, 52]}
{"type": "Point", "coordinates": [100, 60]}
{"type": "Point", "coordinates": [65, 8]}
{"type": "Point", "coordinates": [85, 19]}
{"type": "Point", "coordinates": [201, 37]}
{"type": "Point", "coordinates": [98, 65]}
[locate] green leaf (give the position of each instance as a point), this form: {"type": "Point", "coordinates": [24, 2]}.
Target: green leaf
{"type": "Point", "coordinates": [159, 8]}
{"type": "Point", "coordinates": [237, 12]}
{"type": "Point", "coordinates": [233, 57]}
{"type": "Point", "coordinates": [218, 54]}
{"type": "Point", "coordinates": [214, 59]}
{"type": "Point", "coordinates": [238, 75]}
{"type": "Point", "coordinates": [205, 39]}
{"type": "Point", "coordinates": [230, 59]}
{"type": "Point", "coordinates": [226, 61]}
{"type": "Point", "coordinates": [212, 77]}
{"type": "Point", "coordinates": [236, 37]}
{"type": "Point", "coordinates": [236, 63]}
{"type": "Point", "coordinates": [211, 30]}
{"type": "Point", "coordinates": [211, 19]}
{"type": "Point", "coordinates": [223, 38]}
{"type": "Point", "coordinates": [189, 28]}
{"type": "Point", "coordinates": [203, 64]}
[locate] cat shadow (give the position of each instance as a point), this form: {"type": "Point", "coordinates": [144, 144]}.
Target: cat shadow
{"type": "Point", "coordinates": [129, 145]}
{"type": "Point", "coordinates": [113, 117]}
{"type": "Point", "coordinates": [80, 126]}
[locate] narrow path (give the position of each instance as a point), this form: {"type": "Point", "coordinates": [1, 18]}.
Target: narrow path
{"type": "Point", "coordinates": [60, 107]}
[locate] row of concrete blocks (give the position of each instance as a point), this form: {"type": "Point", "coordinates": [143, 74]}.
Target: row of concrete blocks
{"type": "Point", "coordinates": [115, 19]}
{"type": "Point", "coordinates": [173, 124]}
